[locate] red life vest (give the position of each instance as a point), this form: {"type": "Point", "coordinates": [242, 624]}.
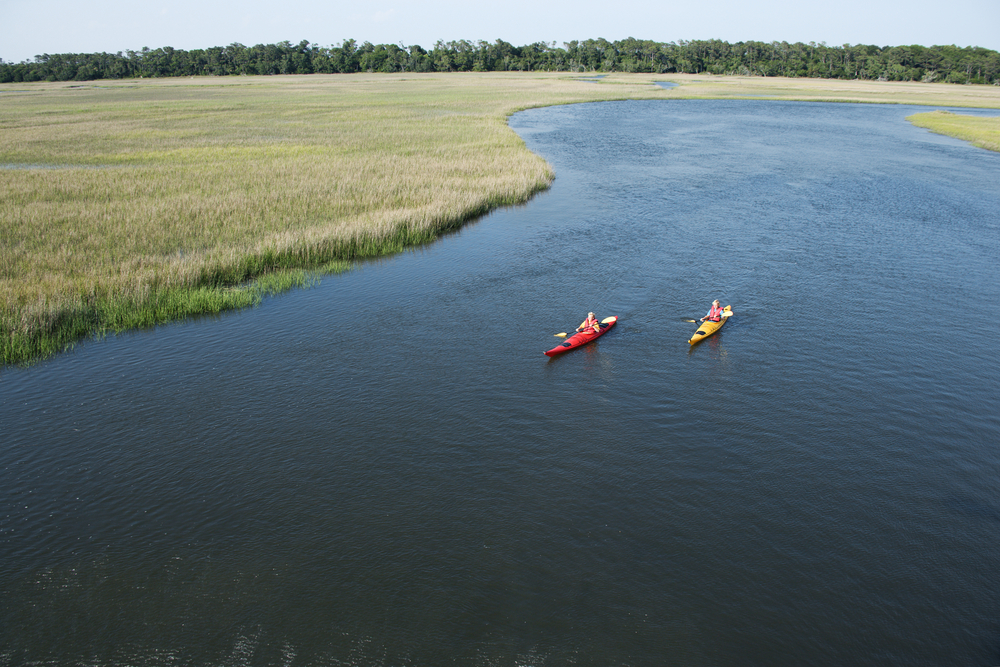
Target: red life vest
{"type": "Point", "coordinates": [715, 313]}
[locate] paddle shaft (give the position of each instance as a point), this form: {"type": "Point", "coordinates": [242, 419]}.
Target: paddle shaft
{"type": "Point", "coordinates": [604, 321]}
{"type": "Point", "coordinates": [725, 314]}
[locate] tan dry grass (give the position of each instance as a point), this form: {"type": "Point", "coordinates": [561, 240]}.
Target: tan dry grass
{"type": "Point", "coordinates": [157, 180]}
{"type": "Point", "coordinates": [702, 86]}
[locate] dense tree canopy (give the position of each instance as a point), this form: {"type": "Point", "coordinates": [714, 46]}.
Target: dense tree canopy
{"type": "Point", "coordinates": [888, 63]}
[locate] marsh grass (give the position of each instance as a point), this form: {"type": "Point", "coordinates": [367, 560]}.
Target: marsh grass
{"type": "Point", "coordinates": [43, 330]}
{"type": "Point", "coordinates": [980, 131]}
{"type": "Point", "coordinates": [130, 203]}
{"type": "Point", "coordinates": [701, 86]}
{"type": "Point", "coordinates": [162, 199]}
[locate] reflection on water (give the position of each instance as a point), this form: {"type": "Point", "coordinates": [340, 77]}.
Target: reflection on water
{"type": "Point", "coordinates": [385, 469]}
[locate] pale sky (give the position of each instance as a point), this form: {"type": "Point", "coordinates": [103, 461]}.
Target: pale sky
{"type": "Point", "coordinates": [33, 27]}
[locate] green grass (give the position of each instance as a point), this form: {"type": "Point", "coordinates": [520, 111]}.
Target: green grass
{"type": "Point", "coordinates": [983, 132]}
{"type": "Point", "coordinates": [48, 331]}
{"type": "Point", "coordinates": [132, 203]}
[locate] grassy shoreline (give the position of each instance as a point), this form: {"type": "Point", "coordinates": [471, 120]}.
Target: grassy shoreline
{"type": "Point", "coordinates": [131, 203]}
{"type": "Point", "coordinates": [977, 130]}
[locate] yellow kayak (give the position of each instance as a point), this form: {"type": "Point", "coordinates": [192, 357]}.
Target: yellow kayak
{"type": "Point", "coordinates": [708, 328]}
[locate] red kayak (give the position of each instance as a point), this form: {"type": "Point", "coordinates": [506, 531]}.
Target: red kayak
{"type": "Point", "coordinates": [582, 338]}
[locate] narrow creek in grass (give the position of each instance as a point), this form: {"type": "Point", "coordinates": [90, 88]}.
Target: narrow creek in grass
{"type": "Point", "coordinates": [384, 469]}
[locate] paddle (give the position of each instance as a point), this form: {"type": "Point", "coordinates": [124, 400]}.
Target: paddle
{"type": "Point", "coordinates": [564, 334]}
{"type": "Point", "coordinates": [725, 313]}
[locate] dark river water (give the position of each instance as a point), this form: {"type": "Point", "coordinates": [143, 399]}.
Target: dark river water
{"type": "Point", "coordinates": [385, 470]}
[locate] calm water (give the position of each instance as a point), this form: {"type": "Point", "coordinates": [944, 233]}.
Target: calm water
{"type": "Point", "coordinates": [385, 470]}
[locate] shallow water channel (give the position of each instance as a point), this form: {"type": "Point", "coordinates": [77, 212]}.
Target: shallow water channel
{"type": "Point", "coordinates": [385, 470]}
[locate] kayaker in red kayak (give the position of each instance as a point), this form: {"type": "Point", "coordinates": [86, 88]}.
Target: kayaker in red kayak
{"type": "Point", "coordinates": [590, 322]}
{"type": "Point", "coordinates": [714, 313]}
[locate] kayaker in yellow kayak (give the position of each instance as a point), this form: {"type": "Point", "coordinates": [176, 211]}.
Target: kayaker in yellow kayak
{"type": "Point", "coordinates": [714, 313]}
{"type": "Point", "coordinates": [590, 322]}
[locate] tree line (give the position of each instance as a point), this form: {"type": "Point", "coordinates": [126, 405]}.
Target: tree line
{"type": "Point", "coordinates": [950, 64]}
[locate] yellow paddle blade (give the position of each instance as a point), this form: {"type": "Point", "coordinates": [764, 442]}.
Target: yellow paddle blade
{"type": "Point", "coordinates": [561, 335]}
{"type": "Point", "coordinates": [606, 320]}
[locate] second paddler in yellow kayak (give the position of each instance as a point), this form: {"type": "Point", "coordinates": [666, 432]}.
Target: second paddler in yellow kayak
{"type": "Point", "coordinates": [715, 313]}
{"type": "Point", "coordinates": [712, 322]}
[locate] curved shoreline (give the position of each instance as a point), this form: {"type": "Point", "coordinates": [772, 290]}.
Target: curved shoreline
{"type": "Point", "coordinates": [980, 131]}
{"type": "Point", "coordinates": [305, 174]}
